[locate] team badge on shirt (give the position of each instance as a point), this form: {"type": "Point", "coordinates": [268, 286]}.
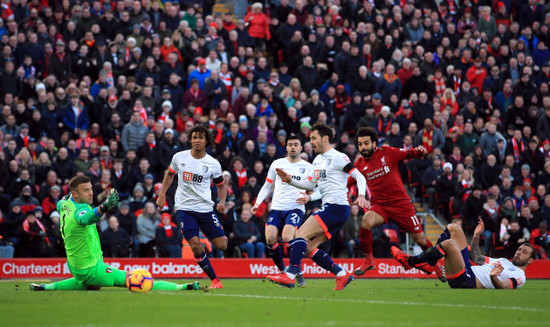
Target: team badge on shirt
{"type": "Point", "coordinates": [328, 161]}
{"type": "Point", "coordinates": [205, 169]}
{"type": "Point", "coordinates": [302, 170]}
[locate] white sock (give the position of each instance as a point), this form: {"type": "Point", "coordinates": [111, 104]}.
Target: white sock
{"type": "Point", "coordinates": [290, 275]}
{"type": "Point", "coordinates": [342, 273]}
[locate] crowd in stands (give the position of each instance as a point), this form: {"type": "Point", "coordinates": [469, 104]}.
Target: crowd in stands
{"type": "Point", "coordinates": [108, 89]}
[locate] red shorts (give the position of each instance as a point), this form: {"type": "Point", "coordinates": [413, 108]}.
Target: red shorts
{"type": "Point", "coordinates": [404, 216]}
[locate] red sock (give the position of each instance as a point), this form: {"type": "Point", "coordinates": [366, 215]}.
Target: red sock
{"type": "Point", "coordinates": [427, 246]}
{"type": "Point", "coordinates": [365, 236]}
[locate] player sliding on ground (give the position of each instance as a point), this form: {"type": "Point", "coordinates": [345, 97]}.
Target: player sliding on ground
{"type": "Point", "coordinates": [285, 214]}
{"type": "Point", "coordinates": [193, 201]}
{"type": "Point", "coordinates": [331, 169]}
{"type": "Point", "coordinates": [489, 272]}
{"type": "Point", "coordinates": [84, 256]}
{"type": "Point", "coordinates": [389, 199]}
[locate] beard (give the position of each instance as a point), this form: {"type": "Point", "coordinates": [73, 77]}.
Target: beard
{"type": "Point", "coordinates": [367, 153]}
{"type": "Point", "coordinates": [519, 262]}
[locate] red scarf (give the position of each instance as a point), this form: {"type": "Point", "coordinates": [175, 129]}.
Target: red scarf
{"type": "Point", "coordinates": [427, 138]}
{"type": "Point", "coordinates": [152, 145]}
{"type": "Point", "coordinates": [389, 78]}
{"type": "Point", "coordinates": [26, 228]}
{"type": "Point", "coordinates": [439, 87]}
{"type": "Point", "coordinates": [517, 152]}
{"type": "Point", "coordinates": [466, 185]}
{"type": "Point", "coordinates": [219, 135]}
{"type": "Point", "coordinates": [452, 8]}
{"type": "Point", "coordinates": [241, 175]}
{"type": "Point", "coordinates": [381, 127]}
{"type": "Point", "coordinates": [168, 229]}
{"type": "Point", "coordinates": [457, 84]}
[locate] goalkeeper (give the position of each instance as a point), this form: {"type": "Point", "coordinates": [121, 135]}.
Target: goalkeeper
{"type": "Point", "coordinates": [84, 256]}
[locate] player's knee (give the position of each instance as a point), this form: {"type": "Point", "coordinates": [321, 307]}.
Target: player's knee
{"type": "Point", "coordinates": [222, 246]}
{"type": "Point", "coordinates": [366, 224]}
{"type": "Point", "coordinates": [287, 237]}
{"type": "Point", "coordinates": [454, 228]}
{"type": "Point", "coordinates": [447, 244]}
{"type": "Point", "coordinates": [270, 239]}
{"type": "Point", "coordinates": [197, 249]}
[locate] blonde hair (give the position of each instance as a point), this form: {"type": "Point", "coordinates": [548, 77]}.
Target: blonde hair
{"type": "Point", "coordinates": [22, 153]}
{"type": "Point", "coordinates": [41, 157]}
{"type": "Point", "coordinates": [444, 97]}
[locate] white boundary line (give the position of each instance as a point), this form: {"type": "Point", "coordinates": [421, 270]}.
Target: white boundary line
{"type": "Point", "coordinates": [405, 303]}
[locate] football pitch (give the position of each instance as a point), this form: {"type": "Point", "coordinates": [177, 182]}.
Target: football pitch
{"type": "Point", "coordinates": [256, 302]}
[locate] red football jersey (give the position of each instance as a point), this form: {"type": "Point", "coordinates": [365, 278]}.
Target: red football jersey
{"type": "Point", "coordinates": [382, 174]}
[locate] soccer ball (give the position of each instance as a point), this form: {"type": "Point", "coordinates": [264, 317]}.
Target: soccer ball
{"type": "Point", "coordinates": [140, 281]}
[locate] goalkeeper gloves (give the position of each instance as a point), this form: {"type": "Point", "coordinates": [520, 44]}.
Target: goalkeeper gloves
{"type": "Point", "coordinates": [111, 202]}
{"type": "Point", "coordinates": [66, 197]}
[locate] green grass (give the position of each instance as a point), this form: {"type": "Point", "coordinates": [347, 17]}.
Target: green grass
{"type": "Point", "coordinates": [365, 302]}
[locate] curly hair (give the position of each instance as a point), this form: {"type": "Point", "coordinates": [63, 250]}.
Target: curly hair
{"type": "Point", "coordinates": [202, 129]}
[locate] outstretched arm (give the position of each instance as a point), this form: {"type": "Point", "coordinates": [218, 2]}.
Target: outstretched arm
{"type": "Point", "coordinates": [306, 184]}
{"type": "Point", "coordinates": [475, 251]}
{"type": "Point", "coordinates": [166, 182]}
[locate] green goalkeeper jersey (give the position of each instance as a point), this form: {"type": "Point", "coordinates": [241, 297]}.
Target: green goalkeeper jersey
{"type": "Point", "coordinates": [79, 232]}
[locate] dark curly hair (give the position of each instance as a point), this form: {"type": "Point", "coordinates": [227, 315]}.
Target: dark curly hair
{"type": "Point", "coordinates": [367, 131]}
{"type": "Point", "coordinates": [202, 129]}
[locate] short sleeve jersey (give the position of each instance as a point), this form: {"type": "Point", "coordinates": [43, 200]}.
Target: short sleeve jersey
{"type": "Point", "coordinates": [193, 192]}
{"type": "Point", "coordinates": [285, 195]}
{"type": "Point", "coordinates": [510, 271]}
{"type": "Point", "coordinates": [331, 177]}
{"type": "Point", "coordinates": [81, 241]}
{"type": "Point", "coordinates": [383, 176]}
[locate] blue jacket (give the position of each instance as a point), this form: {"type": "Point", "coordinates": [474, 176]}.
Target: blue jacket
{"type": "Point", "coordinates": [201, 77]}
{"type": "Point", "coordinates": [72, 122]}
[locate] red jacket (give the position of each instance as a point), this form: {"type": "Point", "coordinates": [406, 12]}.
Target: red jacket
{"type": "Point", "coordinates": [476, 79]}
{"type": "Point", "coordinates": [259, 25]}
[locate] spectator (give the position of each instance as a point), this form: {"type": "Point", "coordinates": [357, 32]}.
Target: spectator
{"type": "Point", "coordinates": [472, 209]}
{"type": "Point", "coordinates": [133, 134]}
{"type": "Point", "coordinates": [489, 139]}
{"type": "Point", "coordinates": [247, 234]}
{"type": "Point", "coordinates": [351, 232]}
{"type": "Point", "coordinates": [146, 228]}
{"type": "Point", "coordinates": [115, 241]}
{"type": "Point", "coordinates": [445, 188]}
{"type": "Point", "coordinates": [258, 26]}
{"type": "Point", "coordinates": [168, 238]}
{"type": "Point", "coordinates": [430, 137]}
{"type": "Point", "coordinates": [34, 239]}
{"type": "Point", "coordinates": [513, 237]}
{"type": "Point", "coordinates": [540, 239]}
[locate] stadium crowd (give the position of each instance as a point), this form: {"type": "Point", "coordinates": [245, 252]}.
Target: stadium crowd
{"type": "Point", "coordinates": [108, 89]}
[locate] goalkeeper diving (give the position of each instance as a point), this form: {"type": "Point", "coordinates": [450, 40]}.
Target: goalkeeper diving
{"type": "Point", "coordinates": [84, 256]}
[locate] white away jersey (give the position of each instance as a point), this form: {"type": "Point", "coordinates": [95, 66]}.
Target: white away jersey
{"type": "Point", "coordinates": [285, 195]}
{"type": "Point", "coordinates": [330, 176]}
{"type": "Point", "coordinates": [510, 271]}
{"type": "Point", "coordinates": [194, 175]}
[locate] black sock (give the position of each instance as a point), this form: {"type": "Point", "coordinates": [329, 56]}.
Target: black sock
{"type": "Point", "coordinates": [430, 256]}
